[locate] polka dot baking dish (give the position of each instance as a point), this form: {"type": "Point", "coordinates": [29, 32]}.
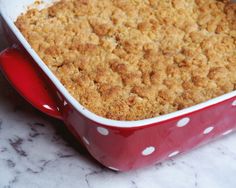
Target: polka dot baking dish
{"type": "Point", "coordinates": [118, 145]}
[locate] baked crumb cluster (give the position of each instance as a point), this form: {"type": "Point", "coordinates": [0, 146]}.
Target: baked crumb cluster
{"type": "Point", "coordinates": [136, 59]}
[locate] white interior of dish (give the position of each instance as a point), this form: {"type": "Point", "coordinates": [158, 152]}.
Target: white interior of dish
{"type": "Point", "coordinates": [11, 9]}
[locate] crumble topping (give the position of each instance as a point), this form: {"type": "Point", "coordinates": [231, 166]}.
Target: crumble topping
{"type": "Point", "coordinates": [136, 59]}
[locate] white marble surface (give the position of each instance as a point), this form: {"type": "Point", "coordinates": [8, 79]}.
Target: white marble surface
{"type": "Point", "coordinates": [36, 151]}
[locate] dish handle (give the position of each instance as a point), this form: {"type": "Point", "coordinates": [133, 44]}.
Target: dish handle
{"type": "Point", "coordinates": [28, 80]}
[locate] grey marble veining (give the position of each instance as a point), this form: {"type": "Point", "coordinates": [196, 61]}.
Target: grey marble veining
{"type": "Point", "coordinates": [37, 151]}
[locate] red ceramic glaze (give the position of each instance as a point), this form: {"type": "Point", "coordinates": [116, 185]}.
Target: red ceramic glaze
{"type": "Point", "coordinates": [27, 79]}
{"type": "Point", "coordinates": [116, 147]}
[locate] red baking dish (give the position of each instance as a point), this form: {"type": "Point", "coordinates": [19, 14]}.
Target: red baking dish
{"type": "Point", "coordinates": [118, 145]}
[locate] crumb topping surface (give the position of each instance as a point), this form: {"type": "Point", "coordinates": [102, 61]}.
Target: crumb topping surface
{"type": "Point", "coordinates": [136, 59]}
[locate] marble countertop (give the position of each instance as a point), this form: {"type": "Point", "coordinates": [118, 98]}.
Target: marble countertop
{"type": "Point", "coordinates": [37, 151]}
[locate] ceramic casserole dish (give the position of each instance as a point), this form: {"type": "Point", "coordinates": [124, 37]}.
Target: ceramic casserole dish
{"type": "Point", "coordinates": [118, 145]}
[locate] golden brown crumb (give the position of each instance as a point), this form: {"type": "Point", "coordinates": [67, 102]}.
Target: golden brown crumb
{"type": "Point", "coordinates": [136, 59]}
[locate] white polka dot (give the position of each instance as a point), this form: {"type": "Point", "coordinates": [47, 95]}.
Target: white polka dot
{"type": "Point", "coordinates": [86, 140]}
{"type": "Point", "coordinates": [65, 103]}
{"type": "Point", "coordinates": [227, 132]}
{"type": "Point", "coordinates": [102, 131]}
{"type": "Point", "coordinates": [148, 151]}
{"type": "Point", "coordinates": [234, 103]}
{"type": "Point", "coordinates": [112, 168]}
{"type": "Point", "coordinates": [208, 130]}
{"type": "Point", "coordinates": [183, 122]}
{"type": "Point", "coordinates": [59, 96]}
{"type": "Point", "coordinates": [173, 154]}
